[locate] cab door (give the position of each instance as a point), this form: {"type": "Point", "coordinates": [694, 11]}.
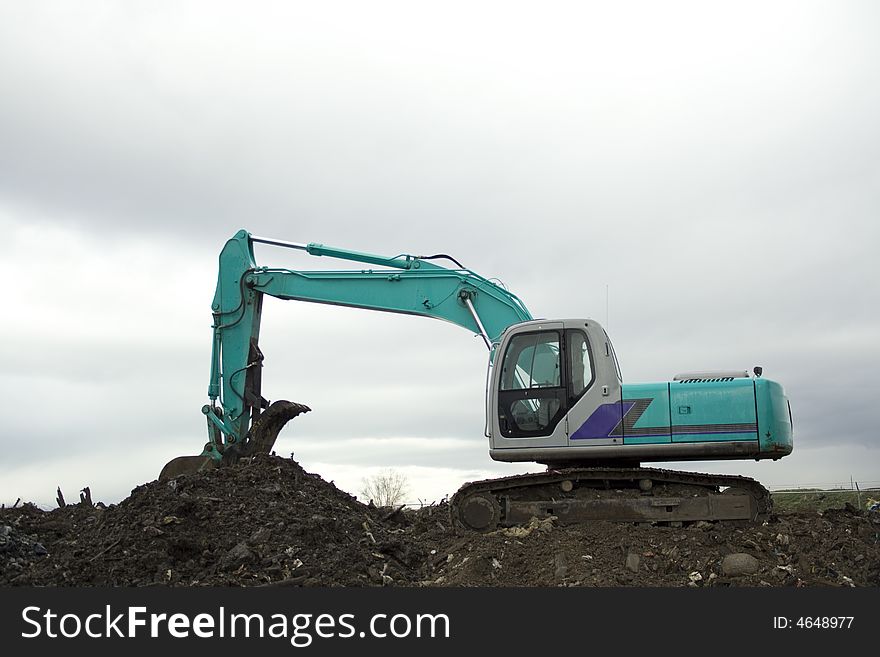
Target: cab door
{"type": "Point", "coordinates": [531, 399]}
{"type": "Point", "coordinates": [596, 414]}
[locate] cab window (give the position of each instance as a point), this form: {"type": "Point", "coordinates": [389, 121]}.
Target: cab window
{"type": "Point", "coordinates": [532, 361]}
{"type": "Point", "coordinates": [580, 362]}
{"type": "Point", "coordinates": [531, 401]}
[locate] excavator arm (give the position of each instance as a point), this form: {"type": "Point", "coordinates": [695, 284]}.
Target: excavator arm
{"type": "Point", "coordinates": [240, 419]}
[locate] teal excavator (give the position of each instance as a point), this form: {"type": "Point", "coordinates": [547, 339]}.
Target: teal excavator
{"type": "Point", "coordinates": [554, 396]}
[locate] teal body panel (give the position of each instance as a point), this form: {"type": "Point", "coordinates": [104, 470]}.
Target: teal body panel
{"type": "Point", "coordinates": [652, 425]}
{"type": "Point", "coordinates": [732, 410]}
{"type": "Point", "coordinates": [713, 410]}
{"type": "Point", "coordinates": [774, 418]}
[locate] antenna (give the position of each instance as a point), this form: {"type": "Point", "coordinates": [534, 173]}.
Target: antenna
{"type": "Point", "coordinates": [607, 324]}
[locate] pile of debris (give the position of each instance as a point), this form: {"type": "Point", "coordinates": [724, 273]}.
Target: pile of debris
{"type": "Point", "coordinates": [270, 523]}
{"type": "Point", "coordinates": [17, 551]}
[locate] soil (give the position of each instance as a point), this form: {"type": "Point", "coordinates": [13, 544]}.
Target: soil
{"type": "Point", "coordinates": [270, 523]}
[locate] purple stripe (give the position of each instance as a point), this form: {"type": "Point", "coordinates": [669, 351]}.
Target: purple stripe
{"type": "Point", "coordinates": [602, 422]}
{"type": "Point", "coordinates": [706, 433]}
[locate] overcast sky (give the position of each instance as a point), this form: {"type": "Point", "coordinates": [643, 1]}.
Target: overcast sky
{"type": "Point", "coordinates": [714, 166]}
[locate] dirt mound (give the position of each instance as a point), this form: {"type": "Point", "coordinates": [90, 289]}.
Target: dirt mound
{"type": "Point", "coordinates": [269, 522]}
{"type": "Point", "coordinates": [264, 522]}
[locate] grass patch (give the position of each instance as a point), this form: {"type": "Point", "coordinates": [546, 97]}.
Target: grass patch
{"type": "Point", "coordinates": [791, 501]}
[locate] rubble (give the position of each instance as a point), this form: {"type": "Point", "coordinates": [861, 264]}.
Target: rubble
{"type": "Point", "coordinates": [270, 523]}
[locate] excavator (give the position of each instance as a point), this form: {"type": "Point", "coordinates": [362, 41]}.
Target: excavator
{"type": "Point", "coordinates": [555, 396]}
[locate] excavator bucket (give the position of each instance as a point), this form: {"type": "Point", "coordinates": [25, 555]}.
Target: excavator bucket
{"type": "Point", "coordinates": [186, 465]}
{"type": "Point", "coordinates": [264, 431]}
{"type": "Point", "coordinates": [260, 439]}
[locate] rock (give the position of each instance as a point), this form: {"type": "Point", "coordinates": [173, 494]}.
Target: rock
{"type": "Point", "coordinates": [240, 553]}
{"type": "Point", "coordinates": [561, 567]}
{"type": "Point", "coordinates": [39, 550]}
{"type": "Point", "coordinates": [261, 535]}
{"type": "Point", "coordinates": [632, 562]}
{"type": "Point", "coordinates": [738, 564]}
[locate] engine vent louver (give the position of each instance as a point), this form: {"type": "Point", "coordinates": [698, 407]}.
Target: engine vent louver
{"type": "Point", "coordinates": [722, 378]}
{"type": "Point", "coordinates": [710, 377]}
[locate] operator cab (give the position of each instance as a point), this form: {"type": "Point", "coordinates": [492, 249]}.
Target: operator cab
{"type": "Point", "coordinates": [548, 378]}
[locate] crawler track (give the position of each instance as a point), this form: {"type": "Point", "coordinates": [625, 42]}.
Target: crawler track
{"type": "Point", "coordinates": [621, 494]}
